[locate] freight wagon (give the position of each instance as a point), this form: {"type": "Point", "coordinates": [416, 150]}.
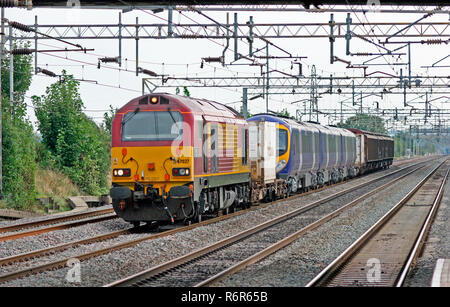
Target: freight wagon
{"type": "Point", "coordinates": [374, 151]}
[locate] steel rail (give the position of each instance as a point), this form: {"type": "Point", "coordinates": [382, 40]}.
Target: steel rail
{"type": "Point", "coordinates": [328, 271]}
{"type": "Point", "coordinates": [54, 220]}
{"type": "Point", "coordinates": [39, 231]}
{"type": "Point", "coordinates": [41, 252]}
{"type": "Point", "coordinates": [423, 233]}
{"type": "Point", "coordinates": [50, 250]}
{"type": "Point", "coordinates": [291, 238]}
{"type": "Point", "coordinates": [62, 263]}
{"type": "Point", "coordinates": [164, 267]}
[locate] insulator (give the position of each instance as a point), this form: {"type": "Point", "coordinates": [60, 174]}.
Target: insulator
{"type": "Point", "coordinates": [149, 72]}
{"type": "Point", "coordinates": [20, 26]}
{"type": "Point", "coordinates": [436, 10]}
{"type": "Point", "coordinates": [433, 41]}
{"type": "Point", "coordinates": [189, 36]}
{"type": "Point", "coordinates": [17, 3]}
{"type": "Point", "coordinates": [22, 51]}
{"type": "Point", "coordinates": [48, 72]}
{"type": "Point", "coordinates": [9, 3]}
{"type": "Point", "coordinates": [210, 60]}
{"type": "Point", "coordinates": [110, 60]}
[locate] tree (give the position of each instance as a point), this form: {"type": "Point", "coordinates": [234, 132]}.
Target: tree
{"type": "Point", "coordinates": [284, 113]}
{"type": "Point", "coordinates": [406, 143]}
{"type": "Point", "coordinates": [80, 148]}
{"type": "Point", "coordinates": [18, 138]}
{"type": "Point", "coordinates": [108, 119]}
{"type": "Point", "coordinates": [241, 112]}
{"type": "Point", "coordinates": [366, 122]}
{"type": "Point", "coordinates": [186, 92]}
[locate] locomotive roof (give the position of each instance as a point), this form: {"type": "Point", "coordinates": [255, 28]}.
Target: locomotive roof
{"type": "Point", "coordinates": [195, 105]}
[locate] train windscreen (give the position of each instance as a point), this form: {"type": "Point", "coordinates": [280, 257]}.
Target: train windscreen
{"type": "Point", "coordinates": [152, 126]}
{"type": "Point", "coordinates": [282, 143]}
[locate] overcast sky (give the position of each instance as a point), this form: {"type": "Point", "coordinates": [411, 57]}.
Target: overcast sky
{"type": "Point", "coordinates": [182, 57]}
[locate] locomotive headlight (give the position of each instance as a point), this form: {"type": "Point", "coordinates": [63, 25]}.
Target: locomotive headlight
{"type": "Point", "coordinates": [181, 172]}
{"type": "Point", "coordinates": [280, 165]}
{"type": "Point", "coordinates": [122, 172]}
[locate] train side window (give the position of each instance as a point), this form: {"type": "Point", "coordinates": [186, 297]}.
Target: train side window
{"type": "Point", "coordinates": [213, 139]}
{"type": "Point", "coordinates": [309, 142]}
{"type": "Point", "coordinates": [331, 143]}
{"type": "Point", "coordinates": [317, 143]}
{"type": "Point", "coordinates": [345, 148]}
{"type": "Point", "coordinates": [205, 147]}
{"type": "Point", "coordinates": [304, 138]}
{"type": "Point", "coordinates": [244, 139]}
{"type": "Point", "coordinates": [200, 130]}
{"type": "Point", "coordinates": [294, 141]}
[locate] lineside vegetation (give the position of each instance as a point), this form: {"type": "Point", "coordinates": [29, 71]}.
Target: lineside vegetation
{"type": "Point", "coordinates": [64, 141]}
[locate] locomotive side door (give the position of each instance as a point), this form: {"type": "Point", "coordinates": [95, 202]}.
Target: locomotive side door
{"type": "Point", "coordinates": [205, 146]}
{"type": "Point", "coordinates": [214, 148]}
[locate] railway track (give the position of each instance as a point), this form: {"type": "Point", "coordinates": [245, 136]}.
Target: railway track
{"type": "Point", "coordinates": [62, 262]}
{"type": "Point", "coordinates": [74, 222]}
{"type": "Point", "coordinates": [384, 254]}
{"type": "Point", "coordinates": [55, 220]}
{"type": "Point", "coordinates": [214, 262]}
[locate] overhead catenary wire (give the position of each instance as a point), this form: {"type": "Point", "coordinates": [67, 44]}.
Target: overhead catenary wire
{"type": "Point", "coordinates": [367, 32]}
{"type": "Point", "coordinates": [153, 63]}
{"type": "Point", "coordinates": [166, 64]}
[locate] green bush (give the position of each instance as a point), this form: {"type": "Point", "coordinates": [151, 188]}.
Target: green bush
{"type": "Point", "coordinates": [75, 144]}
{"type": "Point", "coordinates": [19, 163]}
{"type": "Point", "coordinates": [18, 138]}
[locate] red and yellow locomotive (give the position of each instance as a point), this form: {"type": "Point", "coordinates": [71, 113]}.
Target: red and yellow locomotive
{"type": "Point", "coordinates": [175, 158]}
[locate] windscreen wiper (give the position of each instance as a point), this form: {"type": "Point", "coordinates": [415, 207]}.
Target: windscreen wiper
{"type": "Point", "coordinates": [173, 118]}
{"type": "Point", "coordinates": [131, 116]}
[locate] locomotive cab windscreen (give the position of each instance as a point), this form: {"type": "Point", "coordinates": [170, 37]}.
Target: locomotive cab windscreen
{"type": "Point", "coordinates": [152, 126]}
{"type": "Point", "coordinates": [282, 148]}
{"type": "Point", "coordinates": [282, 144]}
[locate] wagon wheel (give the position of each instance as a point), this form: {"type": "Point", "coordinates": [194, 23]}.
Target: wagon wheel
{"type": "Point", "coordinates": [198, 217]}
{"type": "Point", "coordinates": [136, 224]}
{"type": "Point", "coordinates": [273, 196]}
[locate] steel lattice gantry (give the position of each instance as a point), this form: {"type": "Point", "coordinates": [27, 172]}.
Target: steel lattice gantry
{"type": "Point", "coordinates": [424, 30]}
{"type": "Point", "coordinates": [120, 3]}
{"type": "Point", "coordinates": [301, 84]}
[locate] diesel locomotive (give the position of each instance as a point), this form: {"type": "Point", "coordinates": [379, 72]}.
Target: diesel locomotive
{"type": "Point", "coordinates": [176, 158]}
